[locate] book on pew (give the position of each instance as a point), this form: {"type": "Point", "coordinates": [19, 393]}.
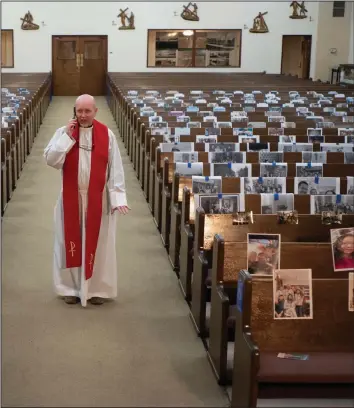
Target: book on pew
{"type": "Point", "coordinates": [293, 356]}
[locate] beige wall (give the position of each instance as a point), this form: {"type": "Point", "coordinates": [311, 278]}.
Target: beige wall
{"type": "Point", "coordinates": [332, 32]}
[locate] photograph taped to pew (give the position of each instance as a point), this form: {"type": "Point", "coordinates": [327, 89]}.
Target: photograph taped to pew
{"type": "Point", "coordinates": [350, 185]}
{"type": "Point", "coordinates": [263, 253]}
{"type": "Point", "coordinates": [189, 169]}
{"type": "Point", "coordinates": [182, 157]}
{"type": "Point", "coordinates": [342, 240]}
{"type": "Point", "coordinates": [345, 131]}
{"type": "Point", "coordinates": [242, 131]}
{"type": "Point", "coordinates": [258, 147]}
{"type": "Point", "coordinates": [314, 157]}
{"type": "Point", "coordinates": [336, 147]}
{"type": "Point", "coordinates": [206, 185]}
{"type": "Point", "coordinates": [231, 169]}
{"type": "Point", "coordinates": [270, 157]}
{"type": "Point", "coordinates": [227, 157]}
{"type": "Point", "coordinates": [222, 147]}
{"type": "Point", "coordinates": [317, 185]}
{"type": "Point", "coordinates": [287, 139]}
{"type": "Point", "coordinates": [295, 147]}
{"type": "Point", "coordinates": [273, 170]}
{"type": "Point", "coordinates": [220, 203]}
{"type": "Point", "coordinates": [351, 291]}
{"type": "Point", "coordinates": [348, 157]}
{"type": "Point", "coordinates": [335, 203]}
{"type": "Point", "coordinates": [177, 147]}
{"type": "Point", "coordinates": [206, 139]}
{"type": "Point", "coordinates": [292, 294]}
{"type": "Point", "coordinates": [266, 185]}
{"type": "Point", "coordinates": [274, 203]}
{"type": "Point", "coordinates": [309, 170]}
{"type": "Point", "coordinates": [349, 139]}
{"type": "Point", "coordinates": [248, 139]}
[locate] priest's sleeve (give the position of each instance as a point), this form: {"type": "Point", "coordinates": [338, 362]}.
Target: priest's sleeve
{"type": "Point", "coordinates": [57, 148]}
{"type": "Point", "coordinates": [116, 181]}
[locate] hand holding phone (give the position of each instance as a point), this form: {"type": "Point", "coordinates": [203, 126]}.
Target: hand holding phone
{"type": "Point", "coordinates": [71, 125]}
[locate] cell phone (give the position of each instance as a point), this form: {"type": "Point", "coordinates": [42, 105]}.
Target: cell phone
{"type": "Point", "coordinates": [74, 117]}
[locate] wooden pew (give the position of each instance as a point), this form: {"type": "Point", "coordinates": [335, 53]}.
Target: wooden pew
{"type": "Point", "coordinates": [328, 339]}
{"type": "Point", "coordinates": [229, 257]}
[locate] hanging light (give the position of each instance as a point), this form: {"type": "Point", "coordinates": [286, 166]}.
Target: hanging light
{"type": "Point", "coordinates": [188, 33]}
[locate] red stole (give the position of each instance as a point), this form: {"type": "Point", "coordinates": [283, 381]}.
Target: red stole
{"type": "Point", "coordinates": [72, 230]}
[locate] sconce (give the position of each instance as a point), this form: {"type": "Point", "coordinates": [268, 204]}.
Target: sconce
{"type": "Point", "coordinates": [43, 23]}
{"type": "Point", "coordinates": [114, 23]}
{"type": "Point", "coordinates": [311, 19]}
{"type": "Point", "coordinates": [245, 27]}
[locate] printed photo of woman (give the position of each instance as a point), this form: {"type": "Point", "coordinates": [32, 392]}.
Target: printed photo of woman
{"type": "Point", "coordinates": [343, 249]}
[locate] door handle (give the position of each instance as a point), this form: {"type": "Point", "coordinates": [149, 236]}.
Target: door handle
{"type": "Point", "coordinates": [78, 61]}
{"type": "Point", "coordinates": [82, 60]}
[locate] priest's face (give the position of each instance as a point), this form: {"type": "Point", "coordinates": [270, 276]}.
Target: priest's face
{"type": "Point", "coordinates": [85, 111]}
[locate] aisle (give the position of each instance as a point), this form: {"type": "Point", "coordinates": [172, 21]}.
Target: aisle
{"type": "Point", "coordinates": [140, 350]}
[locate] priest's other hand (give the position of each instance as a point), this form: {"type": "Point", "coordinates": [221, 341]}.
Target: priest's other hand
{"type": "Point", "coordinates": [122, 210]}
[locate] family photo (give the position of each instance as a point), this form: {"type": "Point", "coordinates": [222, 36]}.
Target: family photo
{"type": "Point", "coordinates": [263, 253]}
{"type": "Point", "coordinates": [258, 185]}
{"type": "Point", "coordinates": [222, 147]}
{"type": "Point", "coordinates": [185, 157]}
{"type": "Point", "coordinates": [309, 170]}
{"type": "Point", "coordinates": [227, 157]}
{"type": "Point", "coordinates": [270, 157]}
{"type": "Point", "coordinates": [342, 204]}
{"type": "Point", "coordinates": [220, 204]}
{"type": "Point", "coordinates": [314, 157]}
{"type": "Point", "coordinates": [342, 240]}
{"type": "Point", "coordinates": [206, 185]}
{"type": "Point", "coordinates": [295, 147]}
{"type": "Point", "coordinates": [272, 203]}
{"type": "Point", "coordinates": [231, 169]}
{"type": "Point", "coordinates": [189, 169]}
{"type": "Point", "coordinates": [292, 294]}
{"type": "Point", "coordinates": [320, 185]}
{"type": "Point", "coordinates": [273, 170]}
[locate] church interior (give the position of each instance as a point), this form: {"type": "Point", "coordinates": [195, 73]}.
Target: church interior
{"type": "Point", "coordinates": [235, 265]}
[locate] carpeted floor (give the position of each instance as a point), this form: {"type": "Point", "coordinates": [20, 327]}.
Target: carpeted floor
{"type": "Point", "coordinates": [140, 350]}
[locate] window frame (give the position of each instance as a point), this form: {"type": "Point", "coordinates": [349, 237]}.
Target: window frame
{"type": "Point", "coordinates": [338, 8]}
{"type": "Point", "coordinates": [194, 49]}
{"type": "Point", "coordinates": [13, 50]}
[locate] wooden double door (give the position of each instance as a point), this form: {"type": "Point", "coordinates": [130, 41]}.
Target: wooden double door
{"type": "Point", "coordinates": [296, 55]}
{"type": "Point", "coordinates": [79, 65]}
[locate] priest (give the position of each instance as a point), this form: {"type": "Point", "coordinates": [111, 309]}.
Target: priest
{"type": "Point", "coordinates": [93, 192]}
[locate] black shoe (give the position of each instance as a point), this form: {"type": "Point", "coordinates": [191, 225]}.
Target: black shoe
{"type": "Point", "coordinates": [71, 300]}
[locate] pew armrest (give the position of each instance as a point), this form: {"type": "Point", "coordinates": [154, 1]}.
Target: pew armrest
{"type": "Point", "coordinates": [246, 368]}
{"type": "Point", "coordinates": [218, 333]}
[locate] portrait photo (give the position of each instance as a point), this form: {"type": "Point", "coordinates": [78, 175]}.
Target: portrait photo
{"type": "Point", "coordinates": [258, 147]}
{"type": "Point", "coordinates": [287, 139]}
{"type": "Point", "coordinates": [270, 157]}
{"type": "Point", "coordinates": [292, 294]}
{"type": "Point", "coordinates": [248, 139]}
{"type": "Point", "coordinates": [220, 203]}
{"type": "Point", "coordinates": [314, 132]}
{"type": "Point", "coordinates": [206, 185]}
{"type": "Point", "coordinates": [189, 169]}
{"type": "Point", "coordinates": [227, 157]}
{"type": "Point", "coordinates": [185, 157]}
{"type": "Point", "coordinates": [349, 157]}
{"type": "Point", "coordinates": [345, 131]}
{"type": "Point", "coordinates": [263, 253]}
{"type": "Point", "coordinates": [309, 170]}
{"type": "Point", "coordinates": [342, 240]}
{"type": "Point", "coordinates": [231, 169]}
{"type": "Point", "coordinates": [295, 147]}
{"type": "Point", "coordinates": [336, 147]}
{"type": "Point", "coordinates": [266, 185]}
{"type": "Point", "coordinates": [272, 203]}
{"type": "Point", "coordinates": [177, 147]}
{"type": "Point", "coordinates": [273, 170]}
{"type": "Point", "coordinates": [206, 139]}
{"type": "Point", "coordinates": [320, 203]}
{"type": "Point", "coordinates": [314, 157]}
{"type": "Point", "coordinates": [275, 131]}
{"type": "Point", "coordinates": [322, 185]}
{"type": "Point", "coordinates": [222, 147]}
